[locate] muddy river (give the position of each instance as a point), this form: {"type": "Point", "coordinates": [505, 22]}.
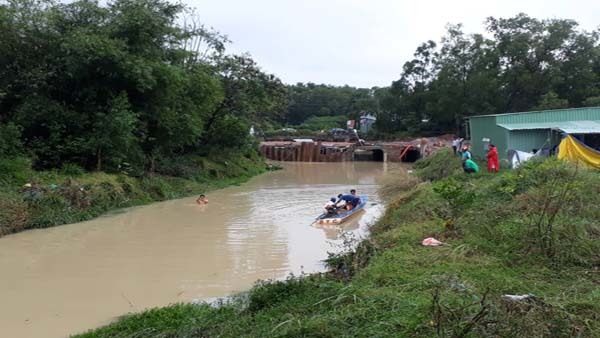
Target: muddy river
{"type": "Point", "coordinates": [64, 280]}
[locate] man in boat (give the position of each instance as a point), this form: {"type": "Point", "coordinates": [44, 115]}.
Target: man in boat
{"type": "Point", "coordinates": [353, 193]}
{"type": "Point", "coordinates": [330, 206]}
{"type": "Point", "coordinates": [350, 201]}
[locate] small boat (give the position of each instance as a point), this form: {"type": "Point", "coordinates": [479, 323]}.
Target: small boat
{"type": "Point", "coordinates": [328, 218]}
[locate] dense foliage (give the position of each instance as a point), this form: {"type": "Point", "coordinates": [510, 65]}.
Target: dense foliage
{"type": "Point", "coordinates": [126, 83]}
{"type": "Point", "coordinates": [312, 100]}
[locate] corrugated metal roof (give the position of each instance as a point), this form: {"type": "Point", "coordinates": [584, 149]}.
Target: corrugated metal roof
{"type": "Point", "coordinates": [567, 110]}
{"type": "Point", "coordinates": [569, 127]}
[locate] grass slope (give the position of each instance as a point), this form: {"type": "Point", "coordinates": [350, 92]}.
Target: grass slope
{"type": "Point", "coordinates": [72, 195]}
{"type": "Point", "coordinates": [532, 230]}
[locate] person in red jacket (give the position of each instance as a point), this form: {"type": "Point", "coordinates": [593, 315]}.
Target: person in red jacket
{"type": "Point", "coordinates": [493, 164]}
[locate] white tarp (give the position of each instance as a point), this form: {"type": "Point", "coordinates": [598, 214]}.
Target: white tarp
{"type": "Point", "coordinates": [516, 157]}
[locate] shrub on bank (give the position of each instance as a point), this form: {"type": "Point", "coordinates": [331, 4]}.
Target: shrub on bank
{"type": "Point", "coordinates": [550, 202]}
{"type": "Point", "coordinates": [14, 215]}
{"type": "Point", "coordinates": [72, 169]}
{"type": "Point", "coordinates": [14, 171]}
{"type": "Point", "coordinates": [438, 165]}
{"type": "Point", "coordinates": [396, 182]}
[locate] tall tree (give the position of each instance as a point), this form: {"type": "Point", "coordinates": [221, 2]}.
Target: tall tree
{"type": "Point", "coordinates": [100, 84]}
{"type": "Point", "coordinates": [526, 64]}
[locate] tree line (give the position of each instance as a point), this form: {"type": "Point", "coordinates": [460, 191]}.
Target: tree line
{"type": "Point", "coordinates": [518, 64]}
{"type": "Point", "coordinates": [317, 100]}
{"type": "Point", "coordinates": [129, 82]}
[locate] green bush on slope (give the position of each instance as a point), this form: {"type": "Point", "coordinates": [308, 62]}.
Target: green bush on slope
{"type": "Point", "coordinates": [438, 165]}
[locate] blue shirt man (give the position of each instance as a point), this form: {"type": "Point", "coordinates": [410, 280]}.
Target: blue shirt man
{"type": "Point", "coordinates": [349, 199]}
{"type": "Point", "coordinates": [466, 155]}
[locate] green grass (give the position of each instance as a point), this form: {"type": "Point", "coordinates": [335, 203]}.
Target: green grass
{"type": "Point", "coordinates": [391, 286]}
{"type": "Point", "coordinates": [72, 195]}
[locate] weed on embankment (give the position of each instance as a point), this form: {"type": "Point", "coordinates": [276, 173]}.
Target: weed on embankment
{"type": "Point", "coordinates": [33, 199]}
{"type": "Point", "coordinates": [530, 232]}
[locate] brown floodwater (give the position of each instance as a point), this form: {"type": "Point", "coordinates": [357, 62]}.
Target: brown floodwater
{"type": "Point", "coordinates": [64, 280]}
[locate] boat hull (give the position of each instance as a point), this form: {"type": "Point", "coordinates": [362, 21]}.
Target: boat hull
{"type": "Point", "coordinates": [341, 218]}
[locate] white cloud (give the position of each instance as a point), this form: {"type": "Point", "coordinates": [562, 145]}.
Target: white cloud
{"type": "Point", "coordinates": [360, 43]}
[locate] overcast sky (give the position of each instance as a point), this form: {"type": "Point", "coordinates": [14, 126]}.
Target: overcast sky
{"type": "Point", "coordinates": [358, 42]}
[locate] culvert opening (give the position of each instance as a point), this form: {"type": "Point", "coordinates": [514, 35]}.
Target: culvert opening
{"type": "Point", "coordinates": [411, 155]}
{"type": "Point", "coordinates": [376, 155]}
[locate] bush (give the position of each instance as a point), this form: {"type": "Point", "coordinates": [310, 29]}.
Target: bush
{"type": "Point", "coordinates": [458, 310]}
{"type": "Point", "coordinates": [182, 166]}
{"type": "Point", "coordinates": [354, 257]}
{"type": "Point", "coordinates": [131, 187]}
{"type": "Point", "coordinates": [373, 134]}
{"type": "Point", "coordinates": [158, 188]}
{"type": "Point", "coordinates": [14, 214]}
{"type": "Point", "coordinates": [15, 171]}
{"type": "Point", "coordinates": [49, 210]}
{"type": "Point", "coordinates": [75, 194]}
{"type": "Point", "coordinates": [396, 182]}
{"type": "Point", "coordinates": [229, 132]}
{"type": "Point", "coordinates": [267, 293]}
{"type": "Point", "coordinates": [438, 165]}
{"type": "Point", "coordinates": [10, 140]}
{"type": "Point", "coordinates": [553, 202]}
{"type": "Point", "coordinates": [72, 169]}
{"type": "Point", "coordinates": [316, 123]}
{"type": "Point", "coordinates": [457, 198]}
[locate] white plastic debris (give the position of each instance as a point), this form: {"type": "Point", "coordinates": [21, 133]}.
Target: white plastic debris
{"type": "Point", "coordinates": [430, 241]}
{"type": "Point", "coordinates": [518, 297]}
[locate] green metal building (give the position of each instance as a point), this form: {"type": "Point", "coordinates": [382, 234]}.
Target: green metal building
{"type": "Point", "coordinates": [531, 131]}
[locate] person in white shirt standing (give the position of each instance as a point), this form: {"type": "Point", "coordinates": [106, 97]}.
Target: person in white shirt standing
{"type": "Point", "coordinates": [456, 144]}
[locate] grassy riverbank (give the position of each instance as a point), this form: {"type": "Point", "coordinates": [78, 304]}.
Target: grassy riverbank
{"type": "Point", "coordinates": [528, 231]}
{"type": "Point", "coordinates": [72, 195]}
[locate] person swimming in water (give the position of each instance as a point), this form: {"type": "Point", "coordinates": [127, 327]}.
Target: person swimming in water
{"type": "Point", "coordinates": [202, 199]}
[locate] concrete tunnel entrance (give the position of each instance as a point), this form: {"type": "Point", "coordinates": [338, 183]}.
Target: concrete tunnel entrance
{"type": "Point", "coordinates": [411, 155]}
{"type": "Point", "coordinates": [376, 155]}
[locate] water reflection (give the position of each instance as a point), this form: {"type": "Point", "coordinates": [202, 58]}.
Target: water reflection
{"type": "Point", "coordinates": [335, 231]}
